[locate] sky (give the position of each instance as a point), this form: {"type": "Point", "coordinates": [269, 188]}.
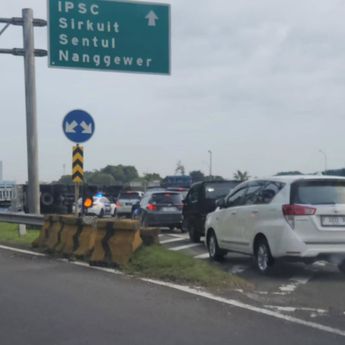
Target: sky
{"type": "Point", "coordinates": [259, 83]}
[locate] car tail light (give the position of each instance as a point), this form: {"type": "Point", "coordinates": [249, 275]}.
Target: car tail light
{"type": "Point", "coordinates": [118, 204]}
{"type": "Point", "coordinates": [151, 207]}
{"type": "Point", "coordinates": [291, 211]}
{"type": "Point", "coordinates": [179, 207]}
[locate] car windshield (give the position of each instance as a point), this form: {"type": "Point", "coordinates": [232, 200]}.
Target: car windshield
{"type": "Point", "coordinates": [318, 192]}
{"type": "Point", "coordinates": [215, 191]}
{"type": "Point", "coordinates": [129, 196]}
{"type": "Point", "coordinates": [167, 198]}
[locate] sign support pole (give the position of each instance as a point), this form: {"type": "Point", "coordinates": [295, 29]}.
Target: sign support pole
{"type": "Point", "coordinates": [31, 110]}
{"type": "Point", "coordinates": [76, 198]}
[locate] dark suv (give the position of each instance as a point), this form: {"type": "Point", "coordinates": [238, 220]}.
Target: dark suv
{"type": "Point", "coordinates": [201, 200]}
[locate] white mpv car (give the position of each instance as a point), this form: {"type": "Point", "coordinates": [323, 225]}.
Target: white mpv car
{"type": "Point", "coordinates": [291, 217]}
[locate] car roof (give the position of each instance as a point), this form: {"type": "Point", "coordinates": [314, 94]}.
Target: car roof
{"type": "Point", "coordinates": [292, 178]}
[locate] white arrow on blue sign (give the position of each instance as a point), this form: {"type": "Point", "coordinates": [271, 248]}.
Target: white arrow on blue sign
{"type": "Point", "coordinates": [78, 126]}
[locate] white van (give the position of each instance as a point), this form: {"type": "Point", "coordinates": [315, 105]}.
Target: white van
{"type": "Point", "coordinates": [291, 217]}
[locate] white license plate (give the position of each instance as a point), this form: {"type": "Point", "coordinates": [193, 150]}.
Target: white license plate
{"type": "Point", "coordinates": [333, 220]}
{"type": "Point", "coordinates": [168, 209]}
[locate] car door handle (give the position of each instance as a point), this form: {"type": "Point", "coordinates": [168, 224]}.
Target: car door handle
{"type": "Point", "coordinates": [233, 212]}
{"type": "Point", "coordinates": [255, 212]}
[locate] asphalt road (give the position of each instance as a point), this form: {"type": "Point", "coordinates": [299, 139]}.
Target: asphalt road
{"type": "Point", "coordinates": [312, 292]}
{"type": "Point", "coordinates": [44, 301]}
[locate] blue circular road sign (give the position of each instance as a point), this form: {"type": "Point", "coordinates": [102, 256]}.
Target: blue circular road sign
{"type": "Point", "coordinates": [78, 126]}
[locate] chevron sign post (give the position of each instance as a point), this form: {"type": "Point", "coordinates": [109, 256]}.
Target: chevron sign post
{"type": "Point", "coordinates": [78, 126]}
{"type": "Point", "coordinates": [78, 164]}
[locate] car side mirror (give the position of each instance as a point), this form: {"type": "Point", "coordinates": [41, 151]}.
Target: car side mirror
{"type": "Point", "coordinates": [220, 203]}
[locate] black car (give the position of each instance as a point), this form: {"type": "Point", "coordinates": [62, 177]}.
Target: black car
{"type": "Point", "coordinates": [161, 209]}
{"type": "Point", "coordinates": [201, 200]}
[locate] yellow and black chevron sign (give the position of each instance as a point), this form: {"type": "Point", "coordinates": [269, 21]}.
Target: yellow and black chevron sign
{"type": "Point", "coordinates": [78, 164]}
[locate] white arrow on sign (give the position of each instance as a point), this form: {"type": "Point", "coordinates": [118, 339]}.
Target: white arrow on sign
{"type": "Point", "coordinates": [152, 17]}
{"type": "Point", "coordinates": [87, 129]}
{"type": "Point", "coordinates": [70, 127]}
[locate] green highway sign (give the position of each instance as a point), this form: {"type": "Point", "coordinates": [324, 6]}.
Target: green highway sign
{"type": "Point", "coordinates": [109, 35]}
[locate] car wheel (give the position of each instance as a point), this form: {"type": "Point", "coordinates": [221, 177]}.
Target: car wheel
{"type": "Point", "coordinates": [101, 214]}
{"type": "Point", "coordinates": [263, 258]}
{"type": "Point", "coordinates": [114, 213]}
{"type": "Point", "coordinates": [341, 267]}
{"type": "Point", "coordinates": [194, 235]}
{"type": "Point", "coordinates": [184, 226]}
{"type": "Point", "coordinates": [213, 248]}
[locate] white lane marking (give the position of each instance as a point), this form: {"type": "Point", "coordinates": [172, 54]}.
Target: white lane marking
{"type": "Point", "coordinates": [314, 312]}
{"type": "Point", "coordinates": [191, 245]}
{"type": "Point", "coordinates": [171, 240]}
{"type": "Point", "coordinates": [249, 307]}
{"type": "Point", "coordinates": [22, 251]}
{"type": "Point", "coordinates": [295, 282]}
{"type": "Point", "coordinates": [202, 256]}
{"type": "Point", "coordinates": [236, 269]}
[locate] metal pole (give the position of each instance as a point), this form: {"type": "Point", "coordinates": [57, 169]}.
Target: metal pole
{"type": "Point", "coordinates": [210, 152]}
{"type": "Point", "coordinates": [31, 118]}
{"type": "Point", "coordinates": [76, 198]}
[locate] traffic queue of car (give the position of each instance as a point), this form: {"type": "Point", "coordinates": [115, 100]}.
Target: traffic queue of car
{"type": "Point", "coordinates": [296, 218]}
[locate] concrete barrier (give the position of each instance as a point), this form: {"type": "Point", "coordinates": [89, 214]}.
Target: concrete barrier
{"type": "Point", "coordinates": [41, 241]}
{"type": "Point", "coordinates": [150, 236]}
{"type": "Point", "coordinates": [105, 242]}
{"type": "Point", "coordinates": [67, 244]}
{"type": "Point", "coordinates": [54, 233]}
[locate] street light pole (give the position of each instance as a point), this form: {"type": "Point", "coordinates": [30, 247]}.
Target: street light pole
{"type": "Point", "coordinates": [29, 52]}
{"type": "Point", "coordinates": [325, 158]}
{"type": "Point", "coordinates": [31, 110]}
{"type": "Point", "coordinates": [210, 152]}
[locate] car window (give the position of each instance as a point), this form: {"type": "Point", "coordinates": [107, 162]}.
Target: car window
{"type": "Point", "coordinates": [218, 190]}
{"type": "Point", "coordinates": [269, 192]}
{"type": "Point", "coordinates": [129, 195]}
{"type": "Point", "coordinates": [193, 195]}
{"type": "Point", "coordinates": [236, 198]}
{"type": "Point", "coordinates": [318, 192]}
{"type": "Point", "coordinates": [252, 193]}
{"type": "Point", "coordinates": [166, 198]}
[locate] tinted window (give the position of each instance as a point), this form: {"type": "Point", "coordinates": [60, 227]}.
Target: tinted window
{"type": "Point", "coordinates": [269, 192]}
{"type": "Point", "coordinates": [237, 198]}
{"type": "Point", "coordinates": [215, 191]}
{"type": "Point", "coordinates": [166, 198]}
{"type": "Point", "coordinates": [129, 195]}
{"type": "Point", "coordinates": [318, 192]}
{"type": "Point", "coordinates": [252, 193]}
{"type": "Point", "coordinates": [193, 195]}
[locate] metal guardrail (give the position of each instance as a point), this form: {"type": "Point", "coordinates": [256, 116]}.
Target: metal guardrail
{"type": "Point", "coordinates": [22, 218]}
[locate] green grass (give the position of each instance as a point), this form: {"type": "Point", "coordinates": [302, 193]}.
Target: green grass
{"type": "Point", "coordinates": [157, 262]}
{"type": "Point", "coordinates": [9, 234]}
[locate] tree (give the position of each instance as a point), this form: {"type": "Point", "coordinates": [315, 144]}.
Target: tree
{"type": "Point", "coordinates": [102, 179]}
{"type": "Point", "coordinates": [289, 173]}
{"type": "Point", "coordinates": [241, 175]}
{"type": "Point", "coordinates": [121, 173]}
{"type": "Point", "coordinates": [65, 179]}
{"type": "Point", "coordinates": [152, 177]}
{"type": "Point", "coordinates": [180, 168]}
{"type": "Point", "coordinates": [197, 175]}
